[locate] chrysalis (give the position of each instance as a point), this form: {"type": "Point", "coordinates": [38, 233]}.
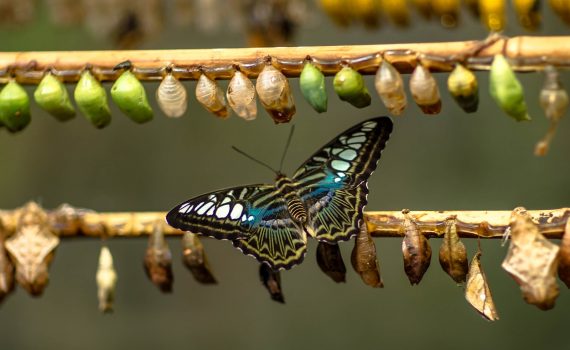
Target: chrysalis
{"type": "Point", "coordinates": [448, 12]}
{"type": "Point", "coordinates": [416, 250]}
{"type": "Point", "coordinates": [554, 102]}
{"type": "Point", "coordinates": [330, 261]}
{"type": "Point", "coordinates": [492, 14]}
{"type": "Point", "coordinates": [129, 95]}
{"type": "Point", "coordinates": [158, 260]}
{"type": "Point", "coordinates": [564, 256]}
{"type": "Point", "coordinates": [172, 97]}
{"type": "Point", "coordinates": [506, 89]}
{"type": "Point", "coordinates": [241, 96]}
{"type": "Point", "coordinates": [195, 259]}
{"type": "Point", "coordinates": [312, 83]}
{"type": "Point", "coordinates": [338, 10]}
{"type": "Point", "coordinates": [51, 95]}
{"type": "Point", "coordinates": [397, 11]}
{"type": "Point", "coordinates": [473, 6]}
{"type": "Point", "coordinates": [532, 261]}
{"type": "Point", "coordinates": [424, 7]}
{"type": "Point", "coordinates": [6, 269]}
{"type": "Point", "coordinates": [477, 290]}
{"type": "Point", "coordinates": [464, 88]}
{"type": "Point", "coordinates": [275, 94]}
{"type": "Point", "coordinates": [528, 13]}
{"type": "Point", "coordinates": [106, 281]}
{"type": "Point", "coordinates": [91, 98]}
{"type": "Point", "coordinates": [271, 279]}
{"type": "Point", "coordinates": [211, 97]}
{"type": "Point", "coordinates": [367, 11]}
{"type": "Point", "coordinates": [350, 87]}
{"type": "Point", "coordinates": [14, 107]}
{"type": "Point", "coordinates": [562, 9]}
{"type": "Point", "coordinates": [452, 253]}
{"type": "Point", "coordinates": [32, 248]}
{"type": "Point", "coordinates": [425, 91]}
{"type": "Point", "coordinates": [390, 88]}
{"type": "Point", "coordinates": [364, 259]}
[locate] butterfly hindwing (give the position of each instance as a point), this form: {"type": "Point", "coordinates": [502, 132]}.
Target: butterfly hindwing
{"type": "Point", "coordinates": [333, 182]}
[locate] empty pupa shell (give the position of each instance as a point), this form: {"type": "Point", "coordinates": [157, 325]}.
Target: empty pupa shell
{"type": "Point", "coordinates": [271, 279]}
{"type": "Point", "coordinates": [506, 89]}
{"type": "Point", "coordinates": [492, 14]}
{"type": "Point", "coordinates": [390, 88]}
{"type": "Point", "coordinates": [106, 278]}
{"type": "Point", "coordinates": [129, 95]}
{"type": "Point", "coordinates": [554, 103]}
{"type": "Point", "coordinates": [350, 87]}
{"type": "Point", "coordinates": [91, 98]}
{"type": "Point", "coordinates": [364, 260]}
{"type": "Point", "coordinates": [275, 94]}
{"type": "Point", "coordinates": [195, 259]}
{"type": "Point", "coordinates": [211, 96]}
{"type": "Point", "coordinates": [425, 91]}
{"type": "Point", "coordinates": [528, 13]}
{"type": "Point", "coordinates": [330, 261]}
{"type": "Point", "coordinates": [51, 95]}
{"type": "Point", "coordinates": [477, 291]}
{"type": "Point", "coordinates": [172, 97]}
{"type": "Point", "coordinates": [464, 88]}
{"type": "Point", "coordinates": [312, 83]}
{"type": "Point", "coordinates": [241, 96]}
{"type": "Point", "coordinates": [158, 260]}
{"type": "Point", "coordinates": [14, 107]}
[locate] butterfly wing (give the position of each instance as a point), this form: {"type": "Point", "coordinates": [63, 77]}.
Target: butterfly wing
{"type": "Point", "coordinates": [333, 182]}
{"type": "Point", "coordinates": [254, 217]}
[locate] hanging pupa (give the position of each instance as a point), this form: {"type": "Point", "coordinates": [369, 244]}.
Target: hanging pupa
{"type": "Point", "coordinates": [312, 83]}
{"type": "Point", "coordinates": [492, 14]}
{"type": "Point", "coordinates": [51, 95]}
{"type": "Point", "coordinates": [350, 87]}
{"type": "Point", "coordinates": [424, 7]}
{"type": "Point", "coordinates": [425, 91]}
{"type": "Point", "coordinates": [275, 94]}
{"type": "Point", "coordinates": [416, 250]}
{"type": "Point", "coordinates": [390, 88]}
{"type": "Point", "coordinates": [506, 89]}
{"type": "Point", "coordinates": [195, 259]}
{"type": "Point", "coordinates": [106, 278]}
{"type": "Point", "coordinates": [477, 292]}
{"type": "Point", "coordinates": [337, 10]}
{"type": "Point", "coordinates": [211, 97]}
{"type": "Point", "coordinates": [554, 102]}
{"type": "Point", "coordinates": [473, 7]}
{"type": "Point", "coordinates": [158, 260]}
{"type": "Point", "coordinates": [172, 97]}
{"type": "Point", "coordinates": [6, 268]}
{"type": "Point", "coordinates": [561, 8]}
{"type": "Point", "coordinates": [330, 261]}
{"type": "Point", "coordinates": [241, 96]}
{"type": "Point", "coordinates": [367, 11]}
{"type": "Point", "coordinates": [564, 256]}
{"type": "Point", "coordinates": [452, 253]}
{"type": "Point", "coordinates": [271, 280]}
{"type": "Point", "coordinates": [397, 11]}
{"type": "Point", "coordinates": [364, 261]}
{"type": "Point", "coordinates": [464, 88]}
{"type": "Point", "coordinates": [528, 13]}
{"type": "Point", "coordinates": [447, 11]}
{"type": "Point", "coordinates": [14, 107]}
{"type": "Point", "coordinates": [129, 95]}
{"type": "Point", "coordinates": [91, 98]}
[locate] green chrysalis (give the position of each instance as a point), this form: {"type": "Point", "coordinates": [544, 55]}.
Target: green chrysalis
{"type": "Point", "coordinates": [507, 90]}
{"type": "Point", "coordinates": [51, 95]}
{"type": "Point", "coordinates": [464, 88]}
{"type": "Point", "coordinates": [91, 99]}
{"type": "Point", "coordinates": [129, 95]}
{"type": "Point", "coordinates": [349, 86]}
{"type": "Point", "coordinates": [312, 82]}
{"type": "Point", "coordinates": [14, 107]}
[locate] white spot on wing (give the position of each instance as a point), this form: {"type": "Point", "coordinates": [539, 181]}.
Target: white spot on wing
{"type": "Point", "coordinates": [357, 139]}
{"type": "Point", "coordinates": [184, 208]}
{"type": "Point", "coordinates": [204, 208]}
{"type": "Point", "coordinates": [236, 211]}
{"type": "Point", "coordinates": [356, 145]}
{"type": "Point", "coordinates": [223, 211]}
{"type": "Point", "coordinates": [211, 211]}
{"type": "Point", "coordinates": [348, 154]}
{"type": "Point", "coordinates": [340, 165]}
{"type": "Point", "coordinates": [226, 200]}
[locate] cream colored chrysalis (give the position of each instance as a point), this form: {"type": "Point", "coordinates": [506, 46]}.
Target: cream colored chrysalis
{"type": "Point", "coordinates": [275, 94]}
{"type": "Point", "coordinates": [171, 96]}
{"type": "Point", "coordinates": [106, 280]}
{"type": "Point", "coordinates": [241, 96]}
{"type": "Point", "coordinates": [211, 96]}
{"type": "Point", "coordinates": [425, 91]}
{"type": "Point", "coordinates": [390, 88]}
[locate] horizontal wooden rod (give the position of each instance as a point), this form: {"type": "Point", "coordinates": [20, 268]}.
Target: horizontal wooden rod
{"type": "Point", "coordinates": [528, 53]}
{"type": "Point", "coordinates": [68, 222]}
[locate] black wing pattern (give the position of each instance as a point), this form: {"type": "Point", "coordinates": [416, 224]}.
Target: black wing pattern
{"type": "Point", "coordinates": [333, 183]}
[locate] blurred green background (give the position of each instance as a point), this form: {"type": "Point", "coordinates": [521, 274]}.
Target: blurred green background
{"type": "Point", "coordinates": [450, 161]}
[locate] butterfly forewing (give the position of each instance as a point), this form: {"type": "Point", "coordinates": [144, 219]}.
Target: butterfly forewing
{"type": "Point", "coordinates": [333, 182]}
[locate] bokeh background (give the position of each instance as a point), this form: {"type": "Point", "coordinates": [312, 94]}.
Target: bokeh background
{"type": "Point", "coordinates": [449, 161]}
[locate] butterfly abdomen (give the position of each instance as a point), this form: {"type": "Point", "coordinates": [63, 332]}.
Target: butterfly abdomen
{"type": "Point", "coordinates": [295, 206]}
{"type": "Point", "coordinates": [297, 210]}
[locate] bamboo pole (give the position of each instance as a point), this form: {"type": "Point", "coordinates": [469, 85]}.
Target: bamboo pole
{"type": "Point", "coordinates": [68, 222]}
{"type": "Point", "coordinates": [526, 52]}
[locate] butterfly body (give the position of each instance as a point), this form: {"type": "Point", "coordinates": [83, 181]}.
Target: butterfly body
{"type": "Point", "coordinates": [324, 199]}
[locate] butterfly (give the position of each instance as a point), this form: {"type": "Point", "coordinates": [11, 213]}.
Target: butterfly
{"type": "Point", "coordinates": [324, 199]}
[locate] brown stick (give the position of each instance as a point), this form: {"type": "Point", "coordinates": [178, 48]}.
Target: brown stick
{"type": "Point", "coordinates": [70, 222]}
{"type": "Point", "coordinates": [527, 53]}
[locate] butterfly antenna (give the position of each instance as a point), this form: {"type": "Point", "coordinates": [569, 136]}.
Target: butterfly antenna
{"type": "Point", "coordinates": [255, 160]}
{"type": "Point", "coordinates": [286, 148]}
